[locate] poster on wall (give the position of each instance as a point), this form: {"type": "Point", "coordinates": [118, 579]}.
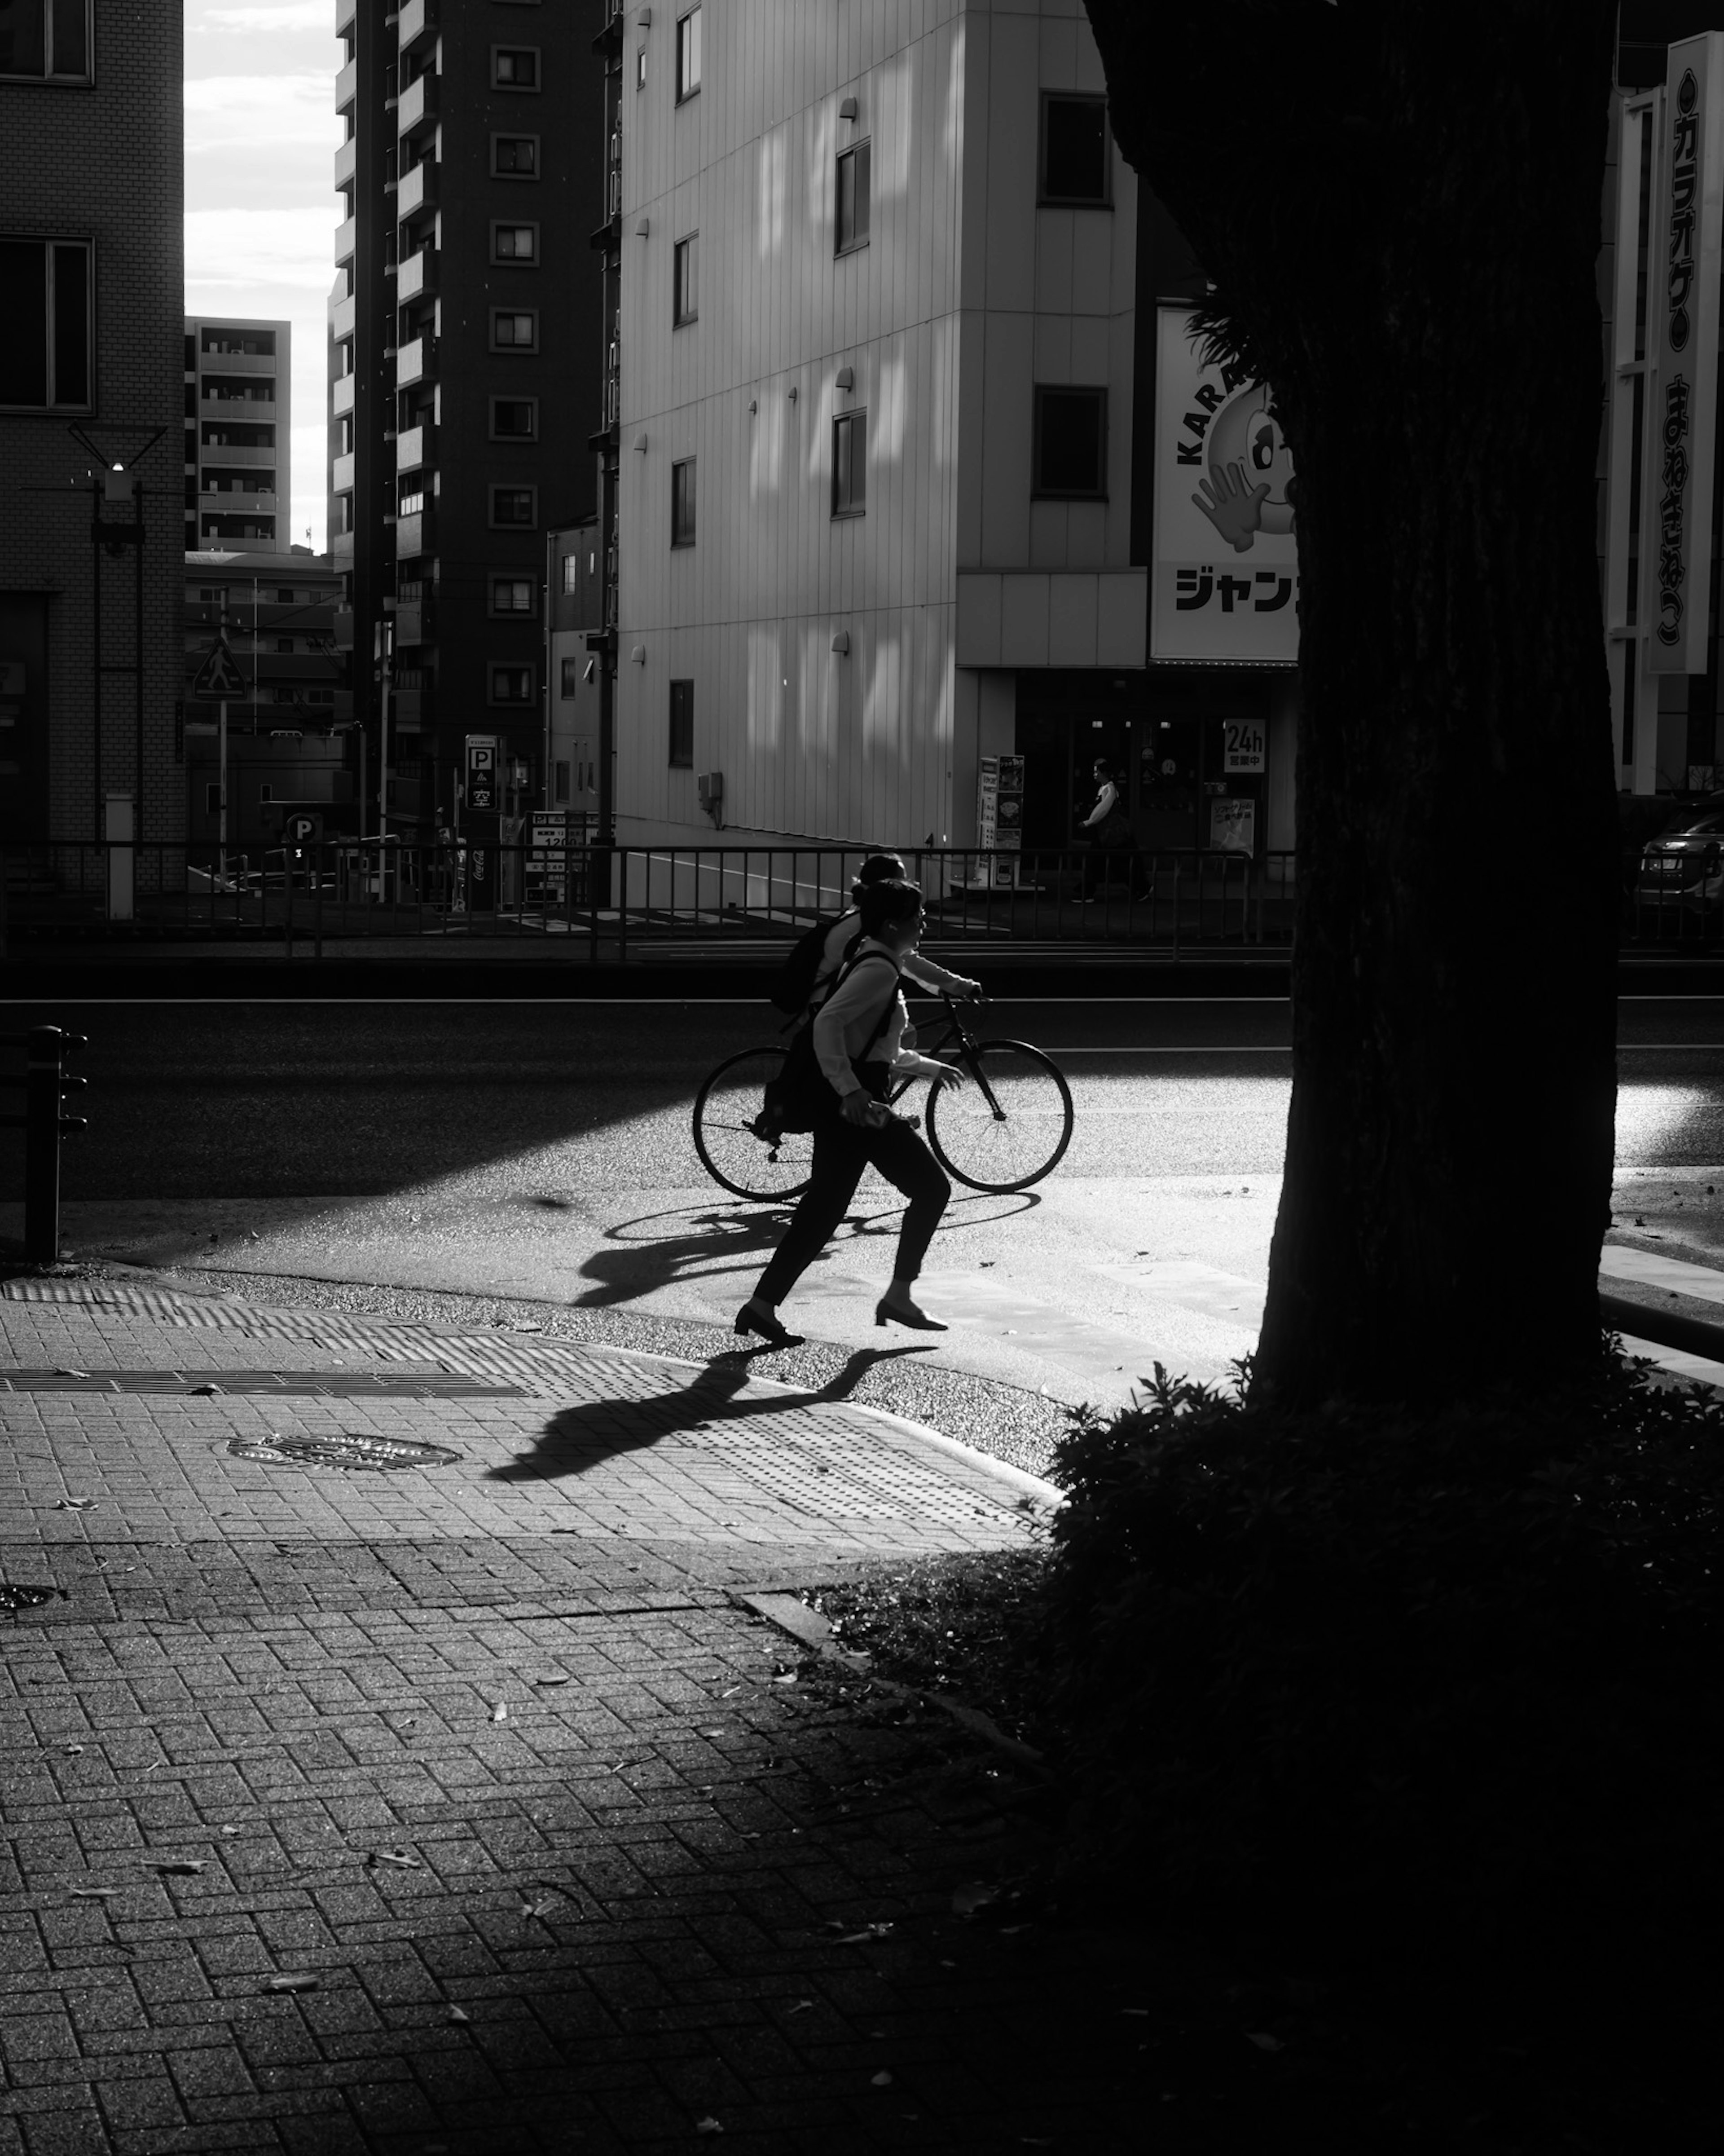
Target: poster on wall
{"type": "Point", "coordinates": [1224, 586]}
{"type": "Point", "coordinates": [1233, 826]}
{"type": "Point", "coordinates": [1689, 212]}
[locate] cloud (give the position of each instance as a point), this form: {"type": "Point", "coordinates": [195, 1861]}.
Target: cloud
{"type": "Point", "coordinates": [244, 248]}
{"type": "Point", "coordinates": [223, 111]}
{"type": "Point", "coordinates": [271, 15]}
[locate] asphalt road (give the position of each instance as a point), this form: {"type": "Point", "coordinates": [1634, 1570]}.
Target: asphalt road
{"type": "Point", "coordinates": [541, 1152]}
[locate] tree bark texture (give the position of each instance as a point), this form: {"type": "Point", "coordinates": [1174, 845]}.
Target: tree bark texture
{"type": "Point", "coordinates": [1398, 203]}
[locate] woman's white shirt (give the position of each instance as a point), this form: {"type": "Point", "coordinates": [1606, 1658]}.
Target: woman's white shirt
{"type": "Point", "coordinates": [841, 939]}
{"type": "Point", "coordinates": [1104, 804]}
{"type": "Point", "coordinates": [844, 1021]}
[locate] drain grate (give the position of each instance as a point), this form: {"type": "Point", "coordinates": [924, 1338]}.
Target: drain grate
{"type": "Point", "coordinates": [347, 1452]}
{"type": "Point", "coordinates": [27, 1598]}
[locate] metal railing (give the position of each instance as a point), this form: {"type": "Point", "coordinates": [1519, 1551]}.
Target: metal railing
{"type": "Point", "coordinates": [615, 902]}
{"type": "Point", "coordinates": [576, 900]}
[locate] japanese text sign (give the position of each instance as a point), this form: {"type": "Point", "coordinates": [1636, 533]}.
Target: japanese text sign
{"type": "Point", "coordinates": [1683, 405]}
{"type": "Point", "coordinates": [1225, 588]}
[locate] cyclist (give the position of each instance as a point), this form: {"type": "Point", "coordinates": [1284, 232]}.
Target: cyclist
{"type": "Point", "coordinates": [859, 1039]}
{"type": "Point", "coordinates": [841, 940]}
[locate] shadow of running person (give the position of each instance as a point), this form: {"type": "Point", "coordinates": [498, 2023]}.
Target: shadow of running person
{"type": "Point", "coordinates": [578, 1437]}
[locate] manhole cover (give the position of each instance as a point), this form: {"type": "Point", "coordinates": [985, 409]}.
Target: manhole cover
{"type": "Point", "coordinates": [26, 1598]}
{"type": "Point", "coordinates": [349, 1450]}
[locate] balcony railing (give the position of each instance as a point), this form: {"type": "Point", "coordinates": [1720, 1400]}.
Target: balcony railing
{"type": "Point", "coordinates": [412, 535]}
{"type": "Point", "coordinates": [346, 240]}
{"type": "Point", "coordinates": [341, 393]}
{"type": "Point", "coordinates": [418, 18]}
{"type": "Point", "coordinates": [414, 622]}
{"type": "Point", "coordinates": [416, 276]}
{"type": "Point", "coordinates": [418, 105]}
{"type": "Point", "coordinates": [415, 446]}
{"type": "Point", "coordinates": [418, 188]}
{"type": "Point", "coordinates": [414, 362]}
{"type": "Point", "coordinates": [346, 85]}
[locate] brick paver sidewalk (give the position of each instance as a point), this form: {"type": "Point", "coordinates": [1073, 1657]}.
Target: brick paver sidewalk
{"type": "Point", "coordinates": [459, 1807]}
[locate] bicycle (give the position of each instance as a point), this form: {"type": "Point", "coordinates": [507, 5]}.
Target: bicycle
{"type": "Point", "coordinates": [1003, 1131]}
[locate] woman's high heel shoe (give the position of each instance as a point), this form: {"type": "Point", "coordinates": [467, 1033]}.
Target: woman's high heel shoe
{"type": "Point", "coordinates": [750, 1318]}
{"type": "Point", "coordinates": [885, 1311]}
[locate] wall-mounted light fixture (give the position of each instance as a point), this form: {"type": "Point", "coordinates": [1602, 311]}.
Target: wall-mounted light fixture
{"type": "Point", "coordinates": [639, 654]}
{"type": "Point", "coordinates": [640, 444]}
{"type": "Point", "coordinates": [645, 18]}
{"type": "Point", "coordinates": [849, 108]}
{"type": "Point", "coordinates": [846, 378]}
{"type": "Point", "coordinates": [644, 228]}
{"type": "Point", "coordinates": [841, 644]}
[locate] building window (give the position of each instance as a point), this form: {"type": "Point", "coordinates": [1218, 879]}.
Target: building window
{"type": "Point", "coordinates": [213, 800]}
{"type": "Point", "coordinates": [1070, 448]}
{"type": "Point", "coordinates": [45, 303]}
{"type": "Point", "coordinates": [640, 67]}
{"type": "Point", "coordinates": [514, 67]}
{"type": "Point", "coordinates": [682, 503]}
{"type": "Point", "coordinates": [561, 780]}
{"type": "Point", "coordinates": [284, 597]}
{"type": "Point", "coordinates": [514, 507]}
{"type": "Point", "coordinates": [853, 196]}
{"type": "Point", "coordinates": [688, 54]}
{"type": "Point", "coordinates": [515, 329]}
{"type": "Point", "coordinates": [686, 272]}
{"type": "Point", "coordinates": [511, 684]}
{"type": "Point", "coordinates": [515, 419]}
{"type": "Point", "coordinates": [514, 156]}
{"type": "Point", "coordinates": [1074, 150]}
{"type": "Point", "coordinates": [511, 595]}
{"type": "Point", "coordinates": [571, 680]}
{"type": "Point", "coordinates": [515, 243]}
{"type": "Point", "coordinates": [571, 575]}
{"type": "Point", "coordinates": [244, 344]}
{"type": "Point", "coordinates": [849, 463]}
{"type": "Point", "coordinates": [412, 498]}
{"type": "Point", "coordinates": [682, 726]}
{"type": "Point", "coordinates": [45, 40]}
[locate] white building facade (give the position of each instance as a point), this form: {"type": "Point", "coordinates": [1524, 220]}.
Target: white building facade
{"type": "Point", "coordinates": [877, 329]}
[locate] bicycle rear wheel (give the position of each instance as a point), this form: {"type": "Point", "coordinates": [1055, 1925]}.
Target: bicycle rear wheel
{"type": "Point", "coordinates": [1010, 1125]}
{"type": "Point", "coordinates": [731, 1150]}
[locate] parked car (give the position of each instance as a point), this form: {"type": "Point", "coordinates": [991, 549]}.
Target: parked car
{"type": "Point", "coordinates": [1685, 863]}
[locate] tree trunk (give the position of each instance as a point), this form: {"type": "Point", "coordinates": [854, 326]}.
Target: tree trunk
{"type": "Point", "coordinates": [1400, 208]}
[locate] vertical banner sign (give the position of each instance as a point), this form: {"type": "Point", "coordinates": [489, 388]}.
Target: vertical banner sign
{"type": "Point", "coordinates": [1682, 422]}
{"type": "Point", "coordinates": [1224, 586]}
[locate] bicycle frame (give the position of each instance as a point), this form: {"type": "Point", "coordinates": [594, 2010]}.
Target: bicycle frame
{"type": "Point", "coordinates": [958, 1033]}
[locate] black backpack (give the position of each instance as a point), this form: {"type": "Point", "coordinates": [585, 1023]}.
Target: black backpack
{"type": "Point", "coordinates": [795, 984]}
{"type": "Point", "coordinates": [795, 1098]}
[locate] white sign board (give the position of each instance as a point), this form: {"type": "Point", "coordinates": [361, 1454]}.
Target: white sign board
{"type": "Point", "coordinates": [1233, 826]}
{"type": "Point", "coordinates": [1688, 213]}
{"type": "Point", "coordinates": [1224, 583]}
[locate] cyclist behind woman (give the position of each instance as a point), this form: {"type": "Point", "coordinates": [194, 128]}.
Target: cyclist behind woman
{"type": "Point", "coordinates": [841, 939]}
{"type": "Point", "coordinates": [858, 1042]}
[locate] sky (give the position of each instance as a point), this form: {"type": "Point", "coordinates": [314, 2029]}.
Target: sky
{"type": "Point", "coordinates": [261, 208]}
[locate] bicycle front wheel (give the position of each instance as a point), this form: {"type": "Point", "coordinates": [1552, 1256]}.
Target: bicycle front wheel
{"type": "Point", "coordinates": [731, 1148]}
{"type": "Point", "coordinates": [1010, 1125]}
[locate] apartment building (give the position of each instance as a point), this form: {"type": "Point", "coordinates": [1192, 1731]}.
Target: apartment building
{"type": "Point", "coordinates": [92, 298]}
{"type": "Point", "coordinates": [464, 365]}
{"type": "Point", "coordinates": [238, 433]}
{"type": "Point", "coordinates": [278, 606]}
{"type": "Point", "coordinates": [874, 450]}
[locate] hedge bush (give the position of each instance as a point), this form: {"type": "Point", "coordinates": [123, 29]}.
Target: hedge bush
{"type": "Point", "coordinates": [1432, 1672]}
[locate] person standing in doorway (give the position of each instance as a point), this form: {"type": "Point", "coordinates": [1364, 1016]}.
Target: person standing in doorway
{"type": "Point", "coordinates": [858, 1040]}
{"type": "Point", "coordinates": [1110, 831]}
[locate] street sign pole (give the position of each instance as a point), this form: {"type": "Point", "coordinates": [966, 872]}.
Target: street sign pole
{"type": "Point", "coordinates": [222, 795]}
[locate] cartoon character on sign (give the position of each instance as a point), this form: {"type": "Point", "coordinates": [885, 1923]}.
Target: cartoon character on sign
{"type": "Point", "coordinates": [1251, 470]}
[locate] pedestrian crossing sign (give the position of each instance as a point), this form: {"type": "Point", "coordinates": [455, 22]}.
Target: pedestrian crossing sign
{"type": "Point", "coordinates": [219, 676]}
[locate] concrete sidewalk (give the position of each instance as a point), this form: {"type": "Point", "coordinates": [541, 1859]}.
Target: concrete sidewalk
{"type": "Point", "coordinates": [458, 1804]}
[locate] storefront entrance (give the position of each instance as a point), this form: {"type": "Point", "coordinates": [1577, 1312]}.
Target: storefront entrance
{"type": "Point", "coordinates": [1191, 744]}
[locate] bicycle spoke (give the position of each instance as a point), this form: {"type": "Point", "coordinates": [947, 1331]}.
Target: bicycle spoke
{"type": "Point", "coordinates": [1010, 1125]}
{"type": "Point", "coordinates": [731, 1148]}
